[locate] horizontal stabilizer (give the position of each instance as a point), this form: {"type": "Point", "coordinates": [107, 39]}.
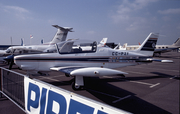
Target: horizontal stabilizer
{"type": "Point", "coordinates": [63, 28]}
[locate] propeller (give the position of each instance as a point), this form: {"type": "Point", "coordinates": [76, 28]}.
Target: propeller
{"type": "Point", "coordinates": [10, 60]}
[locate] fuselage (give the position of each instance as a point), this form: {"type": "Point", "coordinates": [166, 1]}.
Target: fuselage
{"type": "Point", "coordinates": [102, 57]}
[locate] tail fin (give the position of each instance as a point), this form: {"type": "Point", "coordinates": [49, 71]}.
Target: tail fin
{"type": "Point", "coordinates": [61, 34]}
{"type": "Point", "coordinates": [42, 41]}
{"type": "Point", "coordinates": [125, 45]}
{"type": "Point", "coordinates": [177, 42]}
{"type": "Point", "coordinates": [103, 42]}
{"type": "Point", "coordinates": [148, 46]}
{"type": "Point", "coordinates": [21, 42]}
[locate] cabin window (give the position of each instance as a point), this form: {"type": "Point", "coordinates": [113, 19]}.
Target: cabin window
{"type": "Point", "coordinates": [71, 47]}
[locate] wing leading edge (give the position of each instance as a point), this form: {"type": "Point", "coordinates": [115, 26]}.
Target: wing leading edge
{"type": "Point", "coordinates": [88, 71]}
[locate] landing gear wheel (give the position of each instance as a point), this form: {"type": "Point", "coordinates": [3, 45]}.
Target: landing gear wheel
{"type": "Point", "coordinates": [76, 87]}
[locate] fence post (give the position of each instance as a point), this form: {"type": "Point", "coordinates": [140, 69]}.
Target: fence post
{"type": "Point", "coordinates": [0, 84]}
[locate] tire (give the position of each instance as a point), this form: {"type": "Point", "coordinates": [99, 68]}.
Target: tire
{"type": "Point", "coordinates": [75, 87]}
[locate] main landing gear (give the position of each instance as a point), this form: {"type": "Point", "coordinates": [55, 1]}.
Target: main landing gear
{"type": "Point", "coordinates": [78, 83]}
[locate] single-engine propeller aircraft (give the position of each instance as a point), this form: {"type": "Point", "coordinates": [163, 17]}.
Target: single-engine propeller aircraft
{"type": "Point", "coordinates": [79, 59]}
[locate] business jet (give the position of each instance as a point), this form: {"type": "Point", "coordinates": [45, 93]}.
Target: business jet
{"type": "Point", "coordinates": [19, 50]}
{"type": "Point", "coordinates": [73, 59]}
{"type": "Point", "coordinates": [159, 48]}
{"type": "Point", "coordinates": [59, 37]}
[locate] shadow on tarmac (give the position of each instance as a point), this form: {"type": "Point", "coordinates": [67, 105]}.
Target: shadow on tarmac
{"type": "Point", "coordinates": [131, 104]}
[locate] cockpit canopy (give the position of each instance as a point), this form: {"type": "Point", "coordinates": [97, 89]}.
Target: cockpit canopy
{"type": "Point", "coordinates": [77, 46]}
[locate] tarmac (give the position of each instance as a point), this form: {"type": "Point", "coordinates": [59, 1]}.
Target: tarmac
{"type": "Point", "coordinates": [147, 89]}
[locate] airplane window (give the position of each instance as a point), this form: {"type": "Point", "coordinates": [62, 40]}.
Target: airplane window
{"type": "Point", "coordinates": [71, 47]}
{"type": "Point", "coordinates": [163, 47]}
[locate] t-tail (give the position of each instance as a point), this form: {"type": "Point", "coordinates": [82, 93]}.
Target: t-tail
{"type": "Point", "coordinates": [148, 46]}
{"type": "Point", "coordinates": [61, 34]}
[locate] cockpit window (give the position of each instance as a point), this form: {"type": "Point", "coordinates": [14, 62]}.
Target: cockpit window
{"type": "Point", "coordinates": [77, 46]}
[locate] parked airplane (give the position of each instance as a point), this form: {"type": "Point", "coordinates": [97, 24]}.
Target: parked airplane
{"type": "Point", "coordinates": [159, 48]}
{"type": "Point", "coordinates": [18, 50]}
{"type": "Point", "coordinates": [73, 59]}
{"type": "Point", "coordinates": [4, 49]}
{"type": "Point", "coordinates": [166, 48]}
{"type": "Point", "coordinates": [59, 37]}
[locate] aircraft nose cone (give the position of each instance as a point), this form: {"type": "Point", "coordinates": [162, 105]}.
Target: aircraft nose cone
{"type": "Point", "coordinates": [9, 58]}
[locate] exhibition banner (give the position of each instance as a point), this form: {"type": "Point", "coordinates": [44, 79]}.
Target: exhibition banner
{"type": "Point", "coordinates": [43, 98]}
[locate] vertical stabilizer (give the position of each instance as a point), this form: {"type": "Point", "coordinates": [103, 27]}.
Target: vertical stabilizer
{"type": "Point", "coordinates": [103, 42]}
{"type": "Point", "coordinates": [149, 45]}
{"type": "Point", "coordinates": [177, 42]}
{"type": "Point", "coordinates": [22, 44]}
{"type": "Point", "coordinates": [61, 34]}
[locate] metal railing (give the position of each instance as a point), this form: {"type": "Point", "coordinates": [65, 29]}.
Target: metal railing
{"type": "Point", "coordinates": [12, 86]}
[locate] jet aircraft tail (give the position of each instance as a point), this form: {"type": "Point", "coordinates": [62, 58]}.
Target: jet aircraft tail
{"type": "Point", "coordinates": [177, 42]}
{"type": "Point", "coordinates": [61, 34]}
{"type": "Point", "coordinates": [148, 46]}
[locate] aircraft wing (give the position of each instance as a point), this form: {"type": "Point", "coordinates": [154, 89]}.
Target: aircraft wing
{"type": "Point", "coordinates": [67, 69]}
{"type": "Point", "coordinates": [164, 50]}
{"type": "Point", "coordinates": [157, 60]}
{"type": "Point", "coordinates": [163, 61]}
{"type": "Point", "coordinates": [88, 71]}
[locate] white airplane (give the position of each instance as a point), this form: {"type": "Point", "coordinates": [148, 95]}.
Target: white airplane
{"type": "Point", "coordinates": [166, 48]}
{"type": "Point", "coordinates": [18, 50]}
{"type": "Point", "coordinates": [3, 52]}
{"type": "Point", "coordinates": [59, 37]}
{"type": "Point", "coordinates": [159, 48]}
{"type": "Point", "coordinates": [71, 59]}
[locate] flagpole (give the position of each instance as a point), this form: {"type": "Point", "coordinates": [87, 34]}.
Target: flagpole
{"type": "Point", "coordinates": [31, 37]}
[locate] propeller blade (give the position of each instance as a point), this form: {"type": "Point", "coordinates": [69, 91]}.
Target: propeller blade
{"type": "Point", "coordinates": [11, 64]}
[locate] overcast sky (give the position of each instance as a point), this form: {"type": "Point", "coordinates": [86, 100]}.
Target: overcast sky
{"type": "Point", "coordinates": [124, 21]}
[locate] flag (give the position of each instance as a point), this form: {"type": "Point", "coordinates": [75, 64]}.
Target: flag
{"type": "Point", "coordinates": [31, 36]}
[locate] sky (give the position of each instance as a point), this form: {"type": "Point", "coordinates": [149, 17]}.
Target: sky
{"type": "Point", "coordinates": [121, 21]}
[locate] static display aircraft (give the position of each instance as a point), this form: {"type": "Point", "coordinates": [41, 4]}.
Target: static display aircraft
{"type": "Point", "coordinates": [159, 48]}
{"type": "Point", "coordinates": [80, 58]}
{"type": "Point", "coordinates": [59, 37]}
{"type": "Point", "coordinates": [3, 50]}
{"type": "Point", "coordinates": [46, 47]}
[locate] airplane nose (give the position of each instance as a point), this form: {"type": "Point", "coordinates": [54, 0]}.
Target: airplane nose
{"type": "Point", "coordinates": [27, 62]}
{"type": "Point", "coordinates": [9, 58]}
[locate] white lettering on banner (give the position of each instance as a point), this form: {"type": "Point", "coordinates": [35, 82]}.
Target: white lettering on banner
{"type": "Point", "coordinates": [40, 98]}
